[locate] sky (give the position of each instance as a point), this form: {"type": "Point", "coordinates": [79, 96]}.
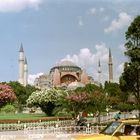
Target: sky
{"type": "Point", "coordinates": [53, 30]}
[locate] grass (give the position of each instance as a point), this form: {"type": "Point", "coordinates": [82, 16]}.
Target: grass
{"type": "Point", "coordinates": [21, 116]}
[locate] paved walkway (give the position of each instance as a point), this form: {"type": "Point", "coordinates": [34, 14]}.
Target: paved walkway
{"type": "Point", "coordinates": [21, 135]}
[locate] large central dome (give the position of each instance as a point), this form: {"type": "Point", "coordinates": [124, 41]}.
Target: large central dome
{"type": "Point", "coordinates": [66, 65]}
{"type": "Point", "coordinates": [63, 74]}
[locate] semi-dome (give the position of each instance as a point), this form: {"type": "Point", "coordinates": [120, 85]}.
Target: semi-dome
{"type": "Point", "coordinates": [75, 85]}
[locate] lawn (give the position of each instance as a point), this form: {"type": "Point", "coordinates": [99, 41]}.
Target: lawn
{"type": "Point", "coordinates": [21, 116]}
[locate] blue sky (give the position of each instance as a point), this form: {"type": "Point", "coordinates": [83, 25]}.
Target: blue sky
{"type": "Point", "coordinates": [53, 30]}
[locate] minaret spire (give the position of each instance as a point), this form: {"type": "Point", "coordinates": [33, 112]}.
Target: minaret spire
{"type": "Point", "coordinates": [21, 65]}
{"type": "Point", "coordinates": [25, 72]}
{"type": "Point", "coordinates": [99, 71]}
{"type": "Point", "coordinates": [110, 67]}
{"type": "Point", "coordinates": [21, 48]}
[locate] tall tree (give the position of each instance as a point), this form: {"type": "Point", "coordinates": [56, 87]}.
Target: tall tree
{"type": "Point", "coordinates": [130, 78]}
{"type": "Point", "coordinates": [115, 94]}
{"type": "Point", "coordinates": [22, 93]}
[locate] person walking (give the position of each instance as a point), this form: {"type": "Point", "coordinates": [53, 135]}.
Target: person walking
{"type": "Point", "coordinates": [117, 116]}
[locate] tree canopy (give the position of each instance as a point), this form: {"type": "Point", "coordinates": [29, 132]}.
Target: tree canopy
{"type": "Point", "coordinates": [130, 78]}
{"type": "Point", "coordinates": [22, 93]}
{"type": "Point", "coordinates": [46, 99]}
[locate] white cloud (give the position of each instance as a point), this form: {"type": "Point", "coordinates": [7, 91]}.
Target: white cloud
{"type": "Point", "coordinates": [105, 18]}
{"type": "Point", "coordinates": [120, 68]}
{"type": "Point", "coordinates": [122, 47]}
{"type": "Point", "coordinates": [118, 71]}
{"type": "Point", "coordinates": [101, 9]}
{"type": "Point", "coordinates": [32, 77]}
{"type": "Point", "coordinates": [89, 60]}
{"type": "Point", "coordinates": [18, 5]}
{"type": "Point", "coordinates": [80, 21]}
{"type": "Point", "coordinates": [86, 58]}
{"type": "Point", "coordinates": [123, 20]}
{"type": "Point", "coordinates": [102, 52]}
{"type": "Point", "coordinates": [92, 11]}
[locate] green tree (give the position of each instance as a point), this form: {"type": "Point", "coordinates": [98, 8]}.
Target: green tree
{"type": "Point", "coordinates": [115, 94]}
{"type": "Point", "coordinates": [89, 99]}
{"type": "Point", "coordinates": [130, 78]}
{"type": "Point", "coordinates": [124, 107]}
{"type": "Point", "coordinates": [19, 91]}
{"type": "Point", "coordinates": [89, 88]}
{"type": "Point", "coordinates": [76, 101]}
{"type": "Point", "coordinates": [46, 99]}
{"type": "Point", "coordinates": [22, 93]}
{"type": "Point", "coordinates": [97, 103]}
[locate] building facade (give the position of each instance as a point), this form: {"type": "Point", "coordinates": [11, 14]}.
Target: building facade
{"type": "Point", "coordinates": [61, 75]}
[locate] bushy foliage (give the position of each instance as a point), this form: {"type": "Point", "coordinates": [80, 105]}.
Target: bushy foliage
{"type": "Point", "coordinates": [87, 99]}
{"type": "Point", "coordinates": [56, 101]}
{"type": "Point", "coordinates": [130, 78]}
{"type": "Point", "coordinates": [46, 99]}
{"type": "Point", "coordinates": [76, 101]}
{"type": "Point", "coordinates": [22, 93]}
{"type": "Point", "coordinates": [8, 109]}
{"type": "Point", "coordinates": [6, 95]}
{"type": "Point", "coordinates": [78, 97]}
{"type": "Point", "coordinates": [123, 107]}
{"type": "Point", "coordinates": [98, 102]}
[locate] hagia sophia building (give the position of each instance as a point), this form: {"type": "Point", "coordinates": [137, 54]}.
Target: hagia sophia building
{"type": "Point", "coordinates": [64, 74]}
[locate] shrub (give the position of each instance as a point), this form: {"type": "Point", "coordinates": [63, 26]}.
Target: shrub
{"type": "Point", "coordinates": [8, 109]}
{"type": "Point", "coordinates": [7, 95]}
{"type": "Point", "coordinates": [125, 107]}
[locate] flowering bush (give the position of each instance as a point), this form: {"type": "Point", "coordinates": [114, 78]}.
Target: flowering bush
{"type": "Point", "coordinates": [6, 95]}
{"type": "Point", "coordinates": [77, 101]}
{"type": "Point", "coordinates": [78, 97]}
{"type": "Point", "coordinates": [45, 99]}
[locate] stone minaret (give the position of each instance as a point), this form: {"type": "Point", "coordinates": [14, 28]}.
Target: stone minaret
{"type": "Point", "coordinates": [25, 72]}
{"type": "Point", "coordinates": [110, 67]}
{"type": "Point", "coordinates": [21, 65]}
{"type": "Point", "coordinates": [99, 72]}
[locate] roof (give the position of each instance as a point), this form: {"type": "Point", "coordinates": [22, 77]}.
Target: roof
{"type": "Point", "coordinates": [65, 63]}
{"type": "Point", "coordinates": [74, 85]}
{"type": "Point", "coordinates": [21, 48]}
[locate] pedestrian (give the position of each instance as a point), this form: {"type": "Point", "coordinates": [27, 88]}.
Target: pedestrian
{"type": "Point", "coordinates": [117, 116]}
